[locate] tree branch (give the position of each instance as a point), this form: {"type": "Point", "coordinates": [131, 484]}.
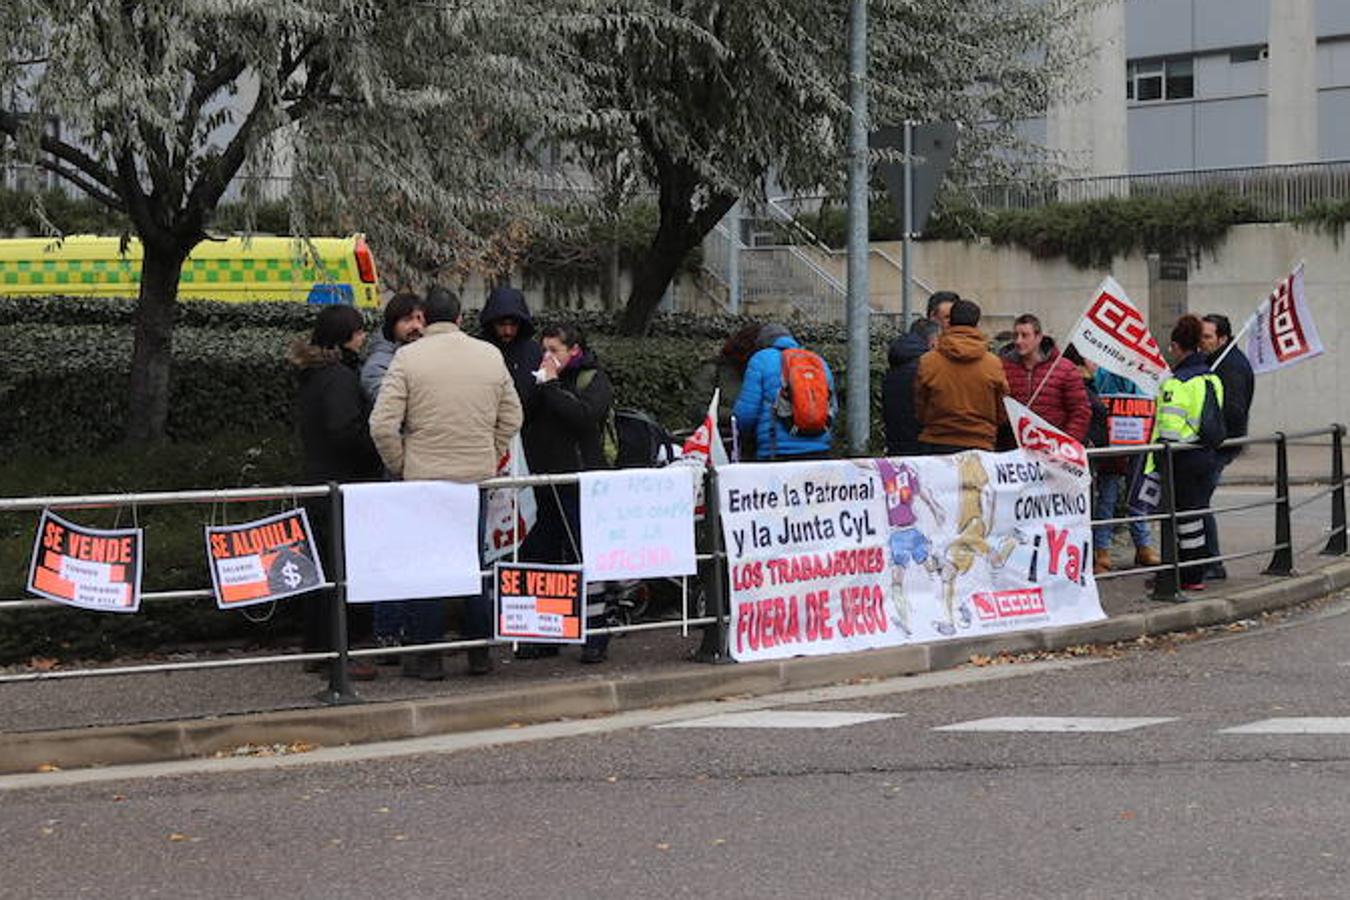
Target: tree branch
{"type": "Point", "coordinates": [112, 201]}
{"type": "Point", "coordinates": [10, 124]}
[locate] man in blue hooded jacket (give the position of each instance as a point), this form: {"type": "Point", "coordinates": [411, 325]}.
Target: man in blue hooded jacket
{"type": "Point", "coordinates": [754, 407]}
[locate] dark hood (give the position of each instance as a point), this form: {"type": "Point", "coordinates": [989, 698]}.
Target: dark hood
{"type": "Point", "coordinates": [304, 355]}
{"type": "Point", "coordinates": [506, 303]}
{"type": "Point", "coordinates": [906, 348]}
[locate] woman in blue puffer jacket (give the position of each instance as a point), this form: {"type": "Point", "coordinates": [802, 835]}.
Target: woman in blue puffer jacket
{"type": "Point", "coordinates": [754, 406]}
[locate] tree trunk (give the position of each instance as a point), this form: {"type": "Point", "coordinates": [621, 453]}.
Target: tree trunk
{"type": "Point", "coordinates": [152, 351]}
{"type": "Point", "coordinates": [680, 231]}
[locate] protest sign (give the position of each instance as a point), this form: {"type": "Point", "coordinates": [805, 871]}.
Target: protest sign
{"type": "Point", "coordinates": [806, 558]}
{"type": "Point", "coordinates": [540, 603]}
{"type": "Point", "coordinates": [263, 560]}
{"type": "Point", "coordinates": [92, 568]}
{"type": "Point", "coordinates": [638, 523]}
{"type": "Point", "coordinates": [831, 557]}
{"type": "Point", "coordinates": [1283, 332]}
{"type": "Point", "coordinates": [1129, 419]}
{"type": "Point", "coordinates": [508, 513]}
{"type": "Point", "coordinates": [410, 540]}
{"type": "Point", "coordinates": [1112, 334]}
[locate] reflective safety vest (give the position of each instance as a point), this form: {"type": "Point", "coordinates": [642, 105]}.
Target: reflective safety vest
{"type": "Point", "coordinates": [1180, 405]}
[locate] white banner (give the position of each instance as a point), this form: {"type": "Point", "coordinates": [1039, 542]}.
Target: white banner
{"type": "Point", "coordinates": [1112, 334]}
{"type": "Point", "coordinates": [410, 540]}
{"type": "Point", "coordinates": [830, 557]}
{"type": "Point", "coordinates": [638, 523]}
{"type": "Point", "coordinates": [1283, 332]}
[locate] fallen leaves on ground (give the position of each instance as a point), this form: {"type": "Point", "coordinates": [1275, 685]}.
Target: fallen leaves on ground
{"type": "Point", "coordinates": [281, 749]}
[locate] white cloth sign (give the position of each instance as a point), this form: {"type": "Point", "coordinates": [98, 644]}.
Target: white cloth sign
{"type": "Point", "coordinates": [638, 523]}
{"type": "Point", "coordinates": [1283, 332]}
{"type": "Point", "coordinates": [410, 540]}
{"type": "Point", "coordinates": [830, 557]}
{"type": "Point", "coordinates": [1112, 334]}
{"type": "Point", "coordinates": [509, 513]}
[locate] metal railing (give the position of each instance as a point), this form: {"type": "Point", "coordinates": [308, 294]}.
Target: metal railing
{"type": "Point", "coordinates": [1167, 576]}
{"type": "Point", "coordinates": [712, 611]}
{"type": "Point", "coordinates": [1277, 192]}
{"type": "Point", "coordinates": [339, 688]}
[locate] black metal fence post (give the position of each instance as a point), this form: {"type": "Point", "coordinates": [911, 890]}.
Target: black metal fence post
{"type": "Point", "coordinates": [1282, 560]}
{"type": "Point", "coordinates": [714, 648]}
{"type": "Point", "coordinates": [339, 688]}
{"type": "Point", "coordinates": [1336, 544]}
{"type": "Point", "coordinates": [1165, 581]}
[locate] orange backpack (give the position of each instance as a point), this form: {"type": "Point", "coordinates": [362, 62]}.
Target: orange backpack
{"type": "Point", "coordinates": [804, 405]}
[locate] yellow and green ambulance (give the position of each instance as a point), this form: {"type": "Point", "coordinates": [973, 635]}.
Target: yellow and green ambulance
{"type": "Point", "coordinates": [323, 270]}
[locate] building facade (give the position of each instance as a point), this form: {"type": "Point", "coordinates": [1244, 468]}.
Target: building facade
{"type": "Point", "coordinates": [1201, 84]}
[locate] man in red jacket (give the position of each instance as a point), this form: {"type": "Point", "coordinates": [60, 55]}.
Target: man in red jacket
{"type": "Point", "coordinates": [1039, 377]}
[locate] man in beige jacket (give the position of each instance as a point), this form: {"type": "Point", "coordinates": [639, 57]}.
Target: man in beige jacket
{"type": "Point", "coordinates": [447, 409]}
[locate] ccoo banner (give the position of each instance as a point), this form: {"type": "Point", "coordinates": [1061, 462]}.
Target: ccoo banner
{"type": "Point", "coordinates": [836, 556]}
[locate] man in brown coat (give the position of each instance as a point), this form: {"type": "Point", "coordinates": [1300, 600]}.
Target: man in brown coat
{"type": "Point", "coordinates": [447, 409]}
{"type": "Point", "coordinates": [959, 390]}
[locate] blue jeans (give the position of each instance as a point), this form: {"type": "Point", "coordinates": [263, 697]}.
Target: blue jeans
{"type": "Point", "coordinates": [1108, 492]}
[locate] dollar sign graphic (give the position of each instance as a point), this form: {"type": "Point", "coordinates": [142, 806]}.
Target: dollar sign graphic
{"type": "Point", "coordinates": [290, 573]}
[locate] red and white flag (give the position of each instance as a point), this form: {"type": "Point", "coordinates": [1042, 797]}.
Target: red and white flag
{"type": "Point", "coordinates": [1282, 332]}
{"type": "Point", "coordinates": [1046, 442]}
{"type": "Point", "coordinates": [705, 444]}
{"type": "Point", "coordinates": [1112, 334]}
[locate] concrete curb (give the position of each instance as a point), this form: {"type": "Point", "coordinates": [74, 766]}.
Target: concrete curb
{"type": "Point", "coordinates": [395, 720]}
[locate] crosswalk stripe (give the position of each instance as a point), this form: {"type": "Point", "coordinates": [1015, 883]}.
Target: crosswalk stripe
{"type": "Point", "coordinates": [780, 718]}
{"type": "Point", "coordinates": [1095, 724]}
{"type": "Point", "coordinates": [1293, 725]}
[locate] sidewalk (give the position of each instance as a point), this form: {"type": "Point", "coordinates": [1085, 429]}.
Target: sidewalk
{"type": "Point", "coordinates": [1309, 463]}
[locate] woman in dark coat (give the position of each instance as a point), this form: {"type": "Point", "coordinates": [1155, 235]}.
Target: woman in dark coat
{"type": "Point", "coordinates": [334, 440]}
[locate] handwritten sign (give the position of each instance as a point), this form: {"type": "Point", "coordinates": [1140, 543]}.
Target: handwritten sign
{"type": "Point", "coordinates": [638, 523]}
{"type": "Point", "coordinates": [263, 560]}
{"type": "Point", "coordinates": [87, 567]}
{"type": "Point", "coordinates": [540, 603]}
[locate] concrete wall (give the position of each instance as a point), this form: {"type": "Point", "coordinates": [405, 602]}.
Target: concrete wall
{"type": "Point", "coordinates": [1007, 281]}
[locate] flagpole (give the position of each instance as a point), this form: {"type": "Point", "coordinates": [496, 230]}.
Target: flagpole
{"type": "Point", "coordinates": [1048, 372]}
{"type": "Point", "coordinates": [1214, 366]}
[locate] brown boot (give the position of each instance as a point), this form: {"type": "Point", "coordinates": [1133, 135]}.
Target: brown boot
{"type": "Point", "coordinates": [1101, 560]}
{"type": "Point", "coordinates": [1147, 556]}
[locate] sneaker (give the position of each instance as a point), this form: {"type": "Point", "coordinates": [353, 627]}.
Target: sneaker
{"type": "Point", "coordinates": [1147, 556]}
{"type": "Point", "coordinates": [1216, 572]}
{"type": "Point", "coordinates": [596, 649]}
{"type": "Point", "coordinates": [1101, 560]}
{"type": "Point", "coordinates": [480, 660]}
{"type": "Point", "coordinates": [1197, 586]}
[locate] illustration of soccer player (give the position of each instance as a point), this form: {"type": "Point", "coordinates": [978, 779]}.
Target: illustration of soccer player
{"type": "Point", "coordinates": [973, 527]}
{"type": "Point", "coordinates": [908, 544]}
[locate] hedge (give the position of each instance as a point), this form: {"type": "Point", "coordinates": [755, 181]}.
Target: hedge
{"type": "Point", "coordinates": [68, 362]}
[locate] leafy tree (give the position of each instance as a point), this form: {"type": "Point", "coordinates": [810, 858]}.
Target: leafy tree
{"type": "Point", "coordinates": [755, 92]}
{"type": "Point", "coordinates": [401, 111]}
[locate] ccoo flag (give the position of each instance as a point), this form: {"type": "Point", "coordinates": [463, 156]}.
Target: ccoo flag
{"type": "Point", "coordinates": [1112, 334]}
{"type": "Point", "coordinates": [1282, 331]}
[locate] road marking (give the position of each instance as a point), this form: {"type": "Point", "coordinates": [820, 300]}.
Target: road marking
{"type": "Point", "coordinates": [782, 718]}
{"type": "Point", "coordinates": [1052, 723]}
{"type": "Point", "coordinates": [1293, 725]}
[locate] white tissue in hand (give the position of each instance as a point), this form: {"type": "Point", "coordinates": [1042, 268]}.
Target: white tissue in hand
{"type": "Point", "coordinates": [539, 376]}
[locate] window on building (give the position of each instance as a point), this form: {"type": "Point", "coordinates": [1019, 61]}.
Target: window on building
{"type": "Point", "coordinates": [1151, 80]}
{"type": "Point", "coordinates": [1248, 54]}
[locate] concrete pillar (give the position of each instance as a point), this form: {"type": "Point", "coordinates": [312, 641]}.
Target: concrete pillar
{"type": "Point", "coordinates": [1091, 129]}
{"type": "Point", "coordinates": [1291, 94]}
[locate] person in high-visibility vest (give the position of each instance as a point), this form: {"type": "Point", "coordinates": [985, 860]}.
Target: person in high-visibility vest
{"type": "Point", "coordinates": [1180, 415]}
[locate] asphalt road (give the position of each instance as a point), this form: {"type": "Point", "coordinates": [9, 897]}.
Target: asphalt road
{"type": "Point", "coordinates": [914, 800]}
